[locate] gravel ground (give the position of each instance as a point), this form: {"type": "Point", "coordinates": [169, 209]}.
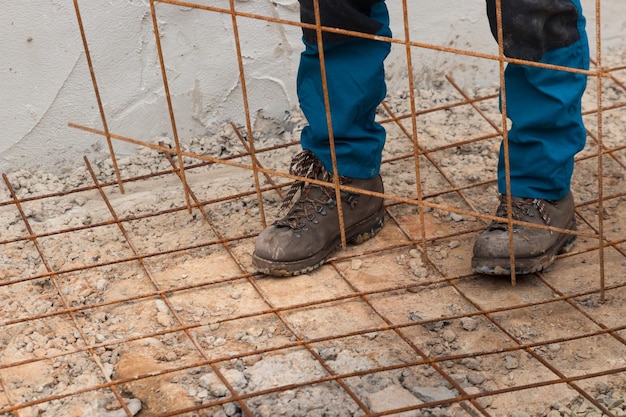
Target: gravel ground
{"type": "Point", "coordinates": [45, 355]}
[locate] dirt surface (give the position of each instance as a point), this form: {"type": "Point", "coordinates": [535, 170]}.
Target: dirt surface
{"type": "Point", "coordinates": [163, 311]}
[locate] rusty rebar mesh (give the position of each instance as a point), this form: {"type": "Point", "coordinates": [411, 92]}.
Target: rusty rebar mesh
{"type": "Point", "coordinates": [151, 290]}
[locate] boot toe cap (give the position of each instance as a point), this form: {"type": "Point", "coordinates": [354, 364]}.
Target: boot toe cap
{"type": "Point", "coordinates": [281, 244]}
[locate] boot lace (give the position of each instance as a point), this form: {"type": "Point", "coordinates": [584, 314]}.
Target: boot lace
{"type": "Point", "coordinates": [521, 210]}
{"type": "Point", "coordinates": [310, 204]}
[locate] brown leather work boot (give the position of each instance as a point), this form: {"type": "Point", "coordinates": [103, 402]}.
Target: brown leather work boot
{"type": "Point", "coordinates": [306, 236]}
{"type": "Point", "coordinates": [534, 249]}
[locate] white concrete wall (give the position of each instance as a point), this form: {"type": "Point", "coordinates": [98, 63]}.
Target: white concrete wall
{"type": "Point", "coordinates": [45, 82]}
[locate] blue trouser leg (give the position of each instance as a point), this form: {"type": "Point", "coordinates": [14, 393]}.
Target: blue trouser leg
{"type": "Point", "coordinates": [356, 86]}
{"type": "Point", "coordinates": [547, 128]}
{"type": "Point", "coordinates": [544, 105]}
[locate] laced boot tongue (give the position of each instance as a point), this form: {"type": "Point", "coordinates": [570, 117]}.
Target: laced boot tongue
{"type": "Point", "coordinates": [313, 198]}
{"type": "Point", "coordinates": [522, 209]}
{"type": "Point", "coordinates": [305, 164]}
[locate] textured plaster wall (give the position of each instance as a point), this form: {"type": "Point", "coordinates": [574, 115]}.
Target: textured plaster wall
{"type": "Point", "coordinates": [45, 81]}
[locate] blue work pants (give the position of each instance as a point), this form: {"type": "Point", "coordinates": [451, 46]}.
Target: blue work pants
{"type": "Point", "coordinates": [544, 105]}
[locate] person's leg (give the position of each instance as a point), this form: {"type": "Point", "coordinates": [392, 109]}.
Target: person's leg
{"type": "Point", "coordinates": [356, 86]}
{"type": "Point", "coordinates": [544, 105]}
{"type": "Point", "coordinates": [546, 132]}
{"type": "Point", "coordinates": [304, 238]}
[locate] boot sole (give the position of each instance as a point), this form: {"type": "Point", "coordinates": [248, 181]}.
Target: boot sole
{"type": "Point", "coordinates": [358, 233]}
{"type": "Point", "coordinates": [502, 266]}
